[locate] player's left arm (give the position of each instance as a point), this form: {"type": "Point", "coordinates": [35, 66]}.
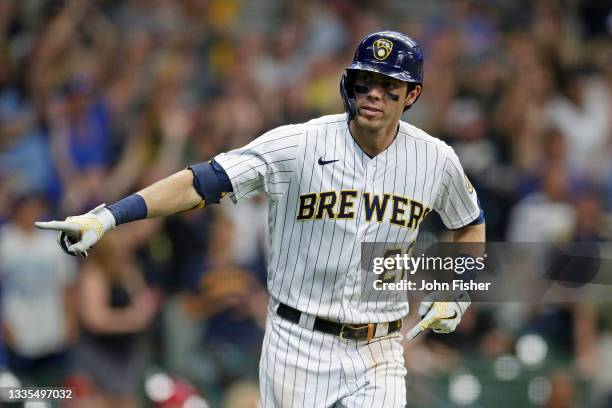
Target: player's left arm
{"type": "Point", "coordinates": [470, 233]}
{"type": "Point", "coordinates": [460, 210]}
{"type": "Point", "coordinates": [442, 312]}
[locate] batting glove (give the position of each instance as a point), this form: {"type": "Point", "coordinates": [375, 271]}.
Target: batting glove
{"type": "Point", "coordinates": [440, 316]}
{"type": "Point", "coordinates": [79, 233]}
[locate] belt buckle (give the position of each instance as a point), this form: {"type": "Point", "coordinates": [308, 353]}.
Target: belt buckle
{"type": "Point", "coordinates": [371, 330]}
{"type": "Point", "coordinates": [342, 331]}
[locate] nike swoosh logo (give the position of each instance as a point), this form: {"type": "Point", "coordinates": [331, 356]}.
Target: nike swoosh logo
{"type": "Point", "coordinates": [324, 162]}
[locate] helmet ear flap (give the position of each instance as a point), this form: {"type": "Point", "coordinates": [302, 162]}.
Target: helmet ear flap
{"type": "Point", "coordinates": [348, 95]}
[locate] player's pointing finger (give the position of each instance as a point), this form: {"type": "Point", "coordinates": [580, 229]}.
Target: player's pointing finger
{"type": "Point", "coordinates": [58, 226]}
{"type": "Point", "coordinates": [46, 225]}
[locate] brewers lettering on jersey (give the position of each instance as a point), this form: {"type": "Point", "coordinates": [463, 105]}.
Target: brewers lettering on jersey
{"type": "Point", "coordinates": [332, 183]}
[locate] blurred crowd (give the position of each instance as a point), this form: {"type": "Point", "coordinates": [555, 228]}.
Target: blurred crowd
{"type": "Point", "coordinates": [99, 98]}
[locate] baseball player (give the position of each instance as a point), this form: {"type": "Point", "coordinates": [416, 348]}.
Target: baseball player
{"type": "Point", "coordinates": [332, 183]}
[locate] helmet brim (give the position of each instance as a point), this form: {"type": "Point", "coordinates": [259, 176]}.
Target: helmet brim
{"type": "Point", "coordinates": [382, 69]}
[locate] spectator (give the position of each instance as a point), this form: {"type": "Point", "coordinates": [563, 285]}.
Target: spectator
{"type": "Point", "coordinates": [582, 113]}
{"type": "Point", "coordinates": [231, 306]}
{"type": "Point", "coordinates": [22, 138]}
{"type": "Point", "coordinates": [590, 222]}
{"type": "Point", "coordinates": [116, 310]}
{"type": "Point", "coordinates": [545, 215]}
{"type": "Point", "coordinates": [39, 323]}
{"type": "Point", "coordinates": [80, 140]}
{"type": "Point", "coordinates": [250, 238]}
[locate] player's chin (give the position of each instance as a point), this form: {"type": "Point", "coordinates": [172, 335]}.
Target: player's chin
{"type": "Point", "coordinates": [370, 122]}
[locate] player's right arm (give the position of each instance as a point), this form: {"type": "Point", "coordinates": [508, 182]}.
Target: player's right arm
{"type": "Point", "coordinates": [241, 173]}
{"type": "Point", "coordinates": [171, 195]}
{"type": "Point", "coordinates": [168, 196]}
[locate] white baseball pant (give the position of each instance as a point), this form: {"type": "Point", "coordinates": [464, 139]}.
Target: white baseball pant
{"type": "Point", "coordinates": [301, 367]}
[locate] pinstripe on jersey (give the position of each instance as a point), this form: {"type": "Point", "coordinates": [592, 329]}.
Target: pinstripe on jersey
{"type": "Point", "coordinates": [314, 262]}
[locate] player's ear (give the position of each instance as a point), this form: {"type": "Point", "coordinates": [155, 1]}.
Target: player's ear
{"type": "Point", "coordinates": [413, 93]}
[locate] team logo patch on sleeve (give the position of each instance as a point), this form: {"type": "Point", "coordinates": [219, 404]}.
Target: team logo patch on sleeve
{"type": "Point", "coordinates": [470, 187]}
{"type": "Point", "coordinates": [382, 48]}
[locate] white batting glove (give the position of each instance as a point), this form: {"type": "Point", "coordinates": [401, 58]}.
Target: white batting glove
{"type": "Point", "coordinates": [79, 233]}
{"type": "Point", "coordinates": [440, 316]}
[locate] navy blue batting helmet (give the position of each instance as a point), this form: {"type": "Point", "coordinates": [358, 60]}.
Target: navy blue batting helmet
{"type": "Point", "coordinates": [385, 52]}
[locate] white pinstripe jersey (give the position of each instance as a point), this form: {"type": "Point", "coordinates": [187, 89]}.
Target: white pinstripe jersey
{"type": "Point", "coordinates": [323, 191]}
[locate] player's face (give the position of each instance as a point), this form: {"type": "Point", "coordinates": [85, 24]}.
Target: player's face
{"type": "Point", "coordinates": [380, 100]}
